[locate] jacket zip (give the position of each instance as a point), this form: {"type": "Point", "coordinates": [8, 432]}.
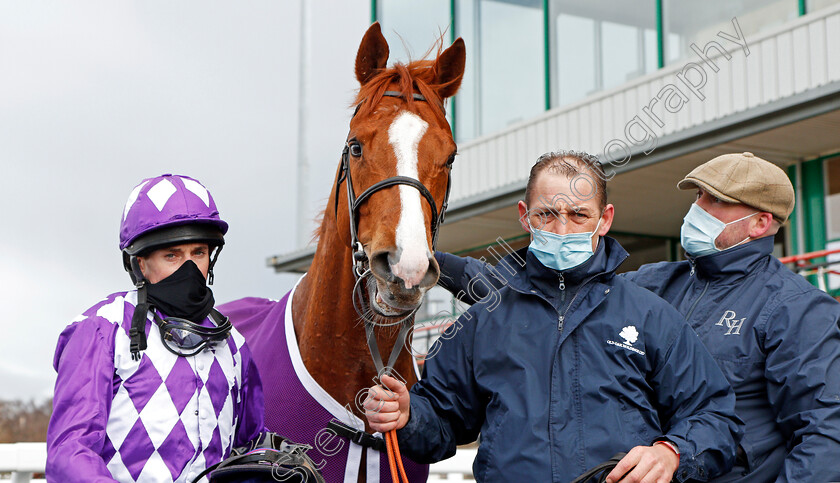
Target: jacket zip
{"type": "Point", "coordinates": [694, 305]}
{"type": "Point", "coordinates": [562, 317]}
{"type": "Point", "coordinates": [562, 286]}
{"type": "Point", "coordinates": [560, 321]}
{"type": "Point", "coordinates": [706, 287]}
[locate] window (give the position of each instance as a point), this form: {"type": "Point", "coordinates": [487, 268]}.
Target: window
{"type": "Point", "coordinates": [411, 28]}
{"type": "Point", "coordinates": [598, 45]}
{"type": "Point", "coordinates": [699, 22]}
{"type": "Point", "coordinates": [813, 5]}
{"type": "Point", "coordinates": [505, 78]}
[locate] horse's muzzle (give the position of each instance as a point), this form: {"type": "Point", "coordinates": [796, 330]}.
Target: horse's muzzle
{"type": "Point", "coordinates": [395, 291]}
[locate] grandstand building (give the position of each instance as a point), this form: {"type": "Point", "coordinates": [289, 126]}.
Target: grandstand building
{"type": "Point", "coordinates": [654, 87]}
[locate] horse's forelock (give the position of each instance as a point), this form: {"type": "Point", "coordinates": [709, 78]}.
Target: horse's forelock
{"type": "Point", "coordinates": [419, 75]}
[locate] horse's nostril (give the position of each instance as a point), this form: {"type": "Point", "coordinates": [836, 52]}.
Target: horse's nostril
{"type": "Point", "coordinates": [381, 267]}
{"type": "Point", "coordinates": [432, 274]}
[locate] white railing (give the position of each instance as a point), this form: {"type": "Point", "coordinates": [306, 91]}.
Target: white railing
{"type": "Point", "coordinates": [456, 468]}
{"type": "Point", "coordinates": [24, 459]}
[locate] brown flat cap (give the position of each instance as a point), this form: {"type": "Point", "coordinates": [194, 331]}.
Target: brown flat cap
{"type": "Point", "coordinates": [744, 178]}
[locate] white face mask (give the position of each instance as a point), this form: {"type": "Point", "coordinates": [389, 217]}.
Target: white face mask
{"type": "Point", "coordinates": [700, 230]}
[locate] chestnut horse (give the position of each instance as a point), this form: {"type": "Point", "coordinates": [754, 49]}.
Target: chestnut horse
{"type": "Point", "coordinates": [373, 264]}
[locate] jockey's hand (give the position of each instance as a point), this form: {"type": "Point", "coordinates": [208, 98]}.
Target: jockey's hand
{"type": "Point", "coordinates": [387, 408]}
{"type": "Point", "coordinates": [653, 464]}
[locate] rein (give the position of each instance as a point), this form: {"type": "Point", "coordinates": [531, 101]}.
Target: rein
{"type": "Point", "coordinates": [360, 272]}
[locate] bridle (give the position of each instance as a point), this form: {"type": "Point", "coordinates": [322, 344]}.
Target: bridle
{"type": "Point", "coordinates": [354, 202]}
{"type": "Point", "coordinates": [359, 256]}
{"type": "Point", "coordinates": [360, 272]}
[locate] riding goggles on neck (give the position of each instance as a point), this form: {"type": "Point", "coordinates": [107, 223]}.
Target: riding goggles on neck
{"type": "Point", "coordinates": [186, 339]}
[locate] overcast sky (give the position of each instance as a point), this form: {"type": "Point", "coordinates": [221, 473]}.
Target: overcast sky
{"type": "Point", "coordinates": [97, 95]}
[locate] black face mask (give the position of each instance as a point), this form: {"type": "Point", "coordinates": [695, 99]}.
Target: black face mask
{"type": "Point", "coordinates": [183, 294]}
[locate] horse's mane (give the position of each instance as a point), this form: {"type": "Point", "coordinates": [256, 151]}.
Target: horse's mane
{"type": "Point", "coordinates": [418, 75]}
{"type": "Point", "coordinates": [319, 220]}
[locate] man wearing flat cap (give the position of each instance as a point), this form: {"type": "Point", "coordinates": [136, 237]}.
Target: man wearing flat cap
{"type": "Point", "coordinates": [774, 335]}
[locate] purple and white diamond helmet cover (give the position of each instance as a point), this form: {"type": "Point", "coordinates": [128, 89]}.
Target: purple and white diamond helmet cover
{"type": "Point", "coordinates": [169, 201]}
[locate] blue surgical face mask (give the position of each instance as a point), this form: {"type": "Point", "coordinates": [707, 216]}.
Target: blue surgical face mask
{"type": "Point", "coordinates": [700, 230]}
{"type": "Point", "coordinates": [562, 252]}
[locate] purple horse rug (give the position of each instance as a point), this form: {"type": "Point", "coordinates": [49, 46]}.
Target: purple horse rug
{"type": "Point", "coordinates": [296, 406]}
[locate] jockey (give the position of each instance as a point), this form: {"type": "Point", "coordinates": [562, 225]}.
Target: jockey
{"type": "Point", "coordinates": [155, 384]}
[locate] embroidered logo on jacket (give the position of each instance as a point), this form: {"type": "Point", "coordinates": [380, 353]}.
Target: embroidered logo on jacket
{"type": "Point", "coordinates": [630, 336]}
{"type": "Point", "coordinates": [733, 325]}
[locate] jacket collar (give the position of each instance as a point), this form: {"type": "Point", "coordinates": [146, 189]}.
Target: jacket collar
{"type": "Point", "coordinates": [607, 257]}
{"type": "Point", "coordinates": [735, 263]}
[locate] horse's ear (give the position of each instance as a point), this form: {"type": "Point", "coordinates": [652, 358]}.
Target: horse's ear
{"type": "Point", "coordinates": [373, 54]}
{"type": "Point", "coordinates": [449, 68]}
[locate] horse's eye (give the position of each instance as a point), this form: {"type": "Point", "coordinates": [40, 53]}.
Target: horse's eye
{"type": "Point", "coordinates": [355, 149]}
{"type": "Point", "coordinates": [451, 160]}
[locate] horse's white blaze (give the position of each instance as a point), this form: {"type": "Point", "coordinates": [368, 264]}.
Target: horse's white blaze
{"type": "Point", "coordinates": [404, 135]}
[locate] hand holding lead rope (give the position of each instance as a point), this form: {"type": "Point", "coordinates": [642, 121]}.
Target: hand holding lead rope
{"type": "Point", "coordinates": [387, 405]}
{"type": "Point", "coordinates": [387, 408]}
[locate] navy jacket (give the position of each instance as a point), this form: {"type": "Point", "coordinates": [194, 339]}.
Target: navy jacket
{"type": "Point", "coordinates": [558, 382]}
{"type": "Point", "coordinates": [776, 338]}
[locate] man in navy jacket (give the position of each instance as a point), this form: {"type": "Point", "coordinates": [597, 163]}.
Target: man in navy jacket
{"type": "Point", "coordinates": [775, 336]}
{"type": "Point", "coordinates": [571, 364]}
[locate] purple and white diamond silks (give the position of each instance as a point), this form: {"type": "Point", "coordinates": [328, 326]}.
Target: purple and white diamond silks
{"type": "Point", "coordinates": [296, 406]}
{"type": "Point", "coordinates": [162, 418]}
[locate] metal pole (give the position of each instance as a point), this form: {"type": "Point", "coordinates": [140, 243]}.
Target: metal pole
{"type": "Point", "coordinates": [303, 215]}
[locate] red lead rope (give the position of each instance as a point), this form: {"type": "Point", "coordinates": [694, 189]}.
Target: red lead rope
{"type": "Point", "coordinates": [394, 457]}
